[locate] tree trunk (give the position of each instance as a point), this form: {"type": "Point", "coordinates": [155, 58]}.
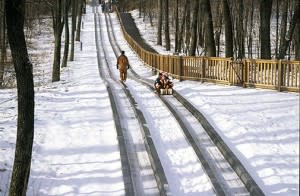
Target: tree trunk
{"type": "Point", "coordinates": [239, 30]}
{"type": "Point", "coordinates": [180, 37]}
{"type": "Point", "coordinates": [159, 25]}
{"type": "Point", "coordinates": [228, 30]}
{"type": "Point", "coordinates": [187, 26]}
{"type": "Point", "coordinates": [277, 29]}
{"type": "Point", "coordinates": [192, 51]}
{"type": "Point", "coordinates": [297, 42]}
{"type": "Point", "coordinates": [289, 36]}
{"type": "Point", "coordinates": [283, 25]}
{"type": "Point", "coordinates": [218, 28]}
{"type": "Point", "coordinates": [57, 47]}
{"type": "Point", "coordinates": [176, 25]}
{"type": "Point", "coordinates": [74, 8]}
{"type": "Point", "coordinates": [67, 33]}
{"type": "Point", "coordinates": [15, 10]}
{"type": "Point", "coordinates": [209, 30]}
{"type": "Point", "coordinates": [79, 14]}
{"type": "Point", "coordinates": [264, 29]}
{"type": "Point", "coordinates": [167, 32]}
{"type": "Point", "coordinates": [2, 42]}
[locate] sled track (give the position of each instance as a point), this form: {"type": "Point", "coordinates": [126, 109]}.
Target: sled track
{"type": "Point", "coordinates": [129, 179]}
{"type": "Point", "coordinates": [212, 167]}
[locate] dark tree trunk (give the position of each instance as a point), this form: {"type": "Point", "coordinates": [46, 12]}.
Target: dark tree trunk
{"type": "Point", "coordinates": [297, 42]}
{"type": "Point", "coordinates": [180, 38]}
{"type": "Point", "coordinates": [250, 41]}
{"type": "Point", "coordinates": [277, 29]}
{"type": "Point", "coordinates": [176, 25]}
{"type": "Point", "coordinates": [74, 9]}
{"type": "Point", "coordinates": [209, 30]}
{"type": "Point", "coordinates": [192, 51]}
{"type": "Point", "coordinates": [264, 29]}
{"type": "Point", "coordinates": [15, 10]}
{"type": "Point", "coordinates": [289, 36]}
{"type": "Point", "coordinates": [239, 30]}
{"type": "Point", "coordinates": [283, 25]}
{"type": "Point", "coordinates": [58, 27]}
{"type": "Point", "coordinates": [167, 32]}
{"type": "Point", "coordinates": [2, 41]}
{"type": "Point", "coordinates": [67, 33]}
{"type": "Point", "coordinates": [187, 26]}
{"type": "Point", "coordinates": [79, 14]}
{"type": "Point", "coordinates": [228, 30]}
{"type": "Point", "coordinates": [159, 25]}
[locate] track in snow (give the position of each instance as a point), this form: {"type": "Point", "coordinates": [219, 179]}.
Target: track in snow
{"type": "Point", "coordinates": [222, 176]}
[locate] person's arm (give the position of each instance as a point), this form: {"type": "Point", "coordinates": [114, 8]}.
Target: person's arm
{"type": "Point", "coordinates": [127, 63]}
{"type": "Point", "coordinates": [118, 63]}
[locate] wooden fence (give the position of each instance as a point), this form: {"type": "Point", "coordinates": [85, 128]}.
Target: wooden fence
{"type": "Point", "coordinates": [272, 74]}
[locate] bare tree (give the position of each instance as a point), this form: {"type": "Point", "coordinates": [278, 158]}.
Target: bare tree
{"type": "Point", "coordinates": [264, 29]}
{"type": "Point", "coordinates": [187, 27]}
{"type": "Point", "coordinates": [15, 10]}
{"type": "Point", "coordinates": [183, 20]}
{"type": "Point", "coordinates": [287, 39]}
{"type": "Point", "coordinates": [79, 16]}
{"type": "Point", "coordinates": [2, 41]}
{"type": "Point", "coordinates": [176, 25]}
{"type": "Point", "coordinates": [159, 25]}
{"type": "Point", "coordinates": [209, 30]}
{"type": "Point", "coordinates": [167, 31]}
{"type": "Point", "coordinates": [58, 28]}
{"type": "Point", "coordinates": [74, 14]}
{"type": "Point", "coordinates": [228, 30]}
{"type": "Point", "coordinates": [192, 51]}
{"type": "Point", "coordinates": [67, 32]}
{"type": "Point", "coordinates": [297, 41]}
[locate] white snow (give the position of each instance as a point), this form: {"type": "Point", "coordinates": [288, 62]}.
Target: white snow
{"type": "Point", "coordinates": [76, 149]}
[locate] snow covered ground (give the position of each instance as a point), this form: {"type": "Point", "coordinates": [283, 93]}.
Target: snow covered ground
{"type": "Point", "coordinates": [260, 126]}
{"type": "Point", "coordinates": [76, 149]}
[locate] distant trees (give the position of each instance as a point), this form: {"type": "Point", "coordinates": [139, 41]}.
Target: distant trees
{"type": "Point", "coordinates": [231, 28]}
{"type": "Point", "coordinates": [38, 10]}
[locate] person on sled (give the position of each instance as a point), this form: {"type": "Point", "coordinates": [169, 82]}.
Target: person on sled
{"type": "Point", "coordinates": [158, 84]}
{"type": "Point", "coordinates": [167, 85]}
{"type": "Point", "coordinates": [123, 65]}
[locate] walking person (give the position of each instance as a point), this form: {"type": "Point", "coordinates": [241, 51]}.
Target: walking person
{"type": "Point", "coordinates": [123, 65]}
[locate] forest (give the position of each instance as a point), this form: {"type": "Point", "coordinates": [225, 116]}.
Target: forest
{"type": "Point", "coordinates": [264, 29]}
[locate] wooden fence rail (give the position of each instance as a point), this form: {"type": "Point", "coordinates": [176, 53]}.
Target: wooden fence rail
{"type": "Point", "coordinates": [272, 74]}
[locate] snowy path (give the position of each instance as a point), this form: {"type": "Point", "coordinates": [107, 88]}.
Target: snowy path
{"type": "Point", "coordinates": [224, 178]}
{"type": "Point", "coordinates": [182, 167]}
{"type": "Point", "coordinates": [77, 152]}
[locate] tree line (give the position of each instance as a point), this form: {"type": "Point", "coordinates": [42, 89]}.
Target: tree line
{"type": "Point", "coordinates": [36, 10]}
{"type": "Point", "coordinates": [16, 17]}
{"type": "Point", "coordinates": [265, 29]}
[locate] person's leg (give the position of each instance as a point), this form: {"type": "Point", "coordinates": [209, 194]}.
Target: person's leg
{"type": "Point", "coordinates": [125, 75]}
{"type": "Point", "coordinates": [121, 75]}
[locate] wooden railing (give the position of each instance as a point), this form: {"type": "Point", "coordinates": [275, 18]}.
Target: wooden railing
{"type": "Point", "coordinates": [272, 74]}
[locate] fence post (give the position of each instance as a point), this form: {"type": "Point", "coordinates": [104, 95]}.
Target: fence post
{"type": "Point", "coordinates": [280, 76]}
{"type": "Point", "coordinates": [203, 70]}
{"type": "Point", "coordinates": [245, 72]}
{"type": "Point", "coordinates": [180, 68]}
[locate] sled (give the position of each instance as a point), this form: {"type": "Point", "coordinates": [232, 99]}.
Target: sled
{"type": "Point", "coordinates": [166, 91]}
